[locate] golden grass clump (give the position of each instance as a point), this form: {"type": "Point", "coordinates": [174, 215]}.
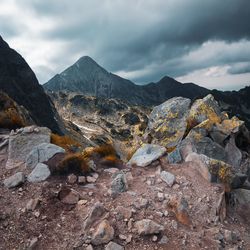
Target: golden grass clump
{"type": "Point", "coordinates": [10, 118]}
{"type": "Point", "coordinates": [100, 151]}
{"type": "Point", "coordinates": [65, 142]}
{"type": "Point", "coordinates": [111, 160]}
{"type": "Point", "coordinates": [73, 163]}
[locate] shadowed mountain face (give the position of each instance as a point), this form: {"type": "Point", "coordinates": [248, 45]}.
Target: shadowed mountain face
{"type": "Point", "coordinates": [20, 83]}
{"type": "Point", "coordinates": [89, 78]}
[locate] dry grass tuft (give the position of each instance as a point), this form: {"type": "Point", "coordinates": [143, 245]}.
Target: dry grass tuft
{"type": "Point", "coordinates": [73, 163]}
{"type": "Point", "coordinates": [100, 151]}
{"type": "Point", "coordinates": [65, 142]}
{"type": "Point", "coordinates": [10, 118]}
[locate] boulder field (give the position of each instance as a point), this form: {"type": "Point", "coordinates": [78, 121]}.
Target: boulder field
{"type": "Point", "coordinates": [186, 187]}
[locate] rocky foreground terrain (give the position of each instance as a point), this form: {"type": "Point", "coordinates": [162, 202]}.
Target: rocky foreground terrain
{"type": "Point", "coordinates": [186, 186]}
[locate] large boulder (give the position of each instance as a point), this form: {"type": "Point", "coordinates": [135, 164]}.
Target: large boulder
{"type": "Point", "coordinates": [221, 131]}
{"type": "Point", "coordinates": [242, 198]}
{"type": "Point", "coordinates": [234, 155]}
{"type": "Point", "coordinates": [211, 169]}
{"type": "Point", "coordinates": [41, 153]}
{"type": "Point", "coordinates": [147, 154]}
{"type": "Point", "coordinates": [23, 141]}
{"type": "Point", "coordinates": [210, 148]}
{"type": "Point", "coordinates": [167, 122]}
{"type": "Point", "coordinates": [205, 109]}
{"type": "Point", "coordinates": [202, 145]}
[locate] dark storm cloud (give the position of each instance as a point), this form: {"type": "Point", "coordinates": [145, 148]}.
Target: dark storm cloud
{"type": "Point", "coordinates": [240, 68]}
{"type": "Point", "coordinates": [145, 40]}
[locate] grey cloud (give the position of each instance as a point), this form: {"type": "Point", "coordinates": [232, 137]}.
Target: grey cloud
{"type": "Point", "coordinates": [240, 68]}
{"type": "Point", "coordinates": [154, 36]}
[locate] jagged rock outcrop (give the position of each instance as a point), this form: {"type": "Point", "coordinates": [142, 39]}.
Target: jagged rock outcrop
{"type": "Point", "coordinates": [201, 134]}
{"type": "Point", "coordinates": [20, 83]}
{"type": "Point", "coordinates": [168, 122]}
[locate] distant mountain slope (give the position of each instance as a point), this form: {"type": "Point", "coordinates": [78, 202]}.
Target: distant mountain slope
{"type": "Point", "coordinates": [20, 83]}
{"type": "Point", "coordinates": [89, 78]}
{"type": "Point", "coordinates": [235, 103]}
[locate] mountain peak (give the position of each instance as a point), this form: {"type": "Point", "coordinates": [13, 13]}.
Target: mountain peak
{"type": "Point", "coordinates": [86, 60]}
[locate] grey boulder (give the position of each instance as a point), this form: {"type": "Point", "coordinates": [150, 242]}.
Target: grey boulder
{"type": "Point", "coordinates": [40, 173]}
{"type": "Point", "coordinates": [147, 154]}
{"type": "Point", "coordinates": [14, 180]}
{"type": "Point", "coordinates": [168, 122]}
{"type": "Point", "coordinates": [168, 178]}
{"type": "Point", "coordinates": [41, 153]}
{"type": "Point", "coordinates": [22, 141]}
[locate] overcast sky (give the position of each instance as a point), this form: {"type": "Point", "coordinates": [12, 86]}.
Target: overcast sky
{"type": "Point", "coordinates": [201, 41]}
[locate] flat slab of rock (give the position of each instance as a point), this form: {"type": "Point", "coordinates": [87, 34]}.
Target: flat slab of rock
{"type": "Point", "coordinates": [23, 141]}
{"type": "Point", "coordinates": [103, 234]}
{"type": "Point", "coordinates": [147, 154]}
{"type": "Point", "coordinates": [40, 173]}
{"type": "Point", "coordinates": [167, 122]}
{"type": "Point", "coordinates": [41, 153]}
{"type": "Point", "coordinates": [168, 178]}
{"type": "Point", "coordinates": [114, 246]}
{"type": "Point", "coordinates": [14, 180]}
{"type": "Point", "coordinates": [148, 227]}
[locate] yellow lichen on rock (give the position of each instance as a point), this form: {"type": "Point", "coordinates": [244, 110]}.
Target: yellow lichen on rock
{"type": "Point", "coordinates": [221, 170]}
{"type": "Point", "coordinates": [203, 112]}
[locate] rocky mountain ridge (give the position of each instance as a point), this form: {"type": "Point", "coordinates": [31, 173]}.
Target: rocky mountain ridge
{"type": "Point", "coordinates": [86, 77]}
{"type": "Point", "coordinates": [89, 78]}
{"type": "Point", "coordinates": [19, 81]}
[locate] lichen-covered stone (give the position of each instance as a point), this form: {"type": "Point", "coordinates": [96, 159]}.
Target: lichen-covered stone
{"type": "Point", "coordinates": [167, 122]}
{"type": "Point", "coordinates": [211, 169]}
{"type": "Point", "coordinates": [227, 127]}
{"type": "Point", "coordinates": [205, 109]}
{"type": "Point", "coordinates": [175, 156]}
